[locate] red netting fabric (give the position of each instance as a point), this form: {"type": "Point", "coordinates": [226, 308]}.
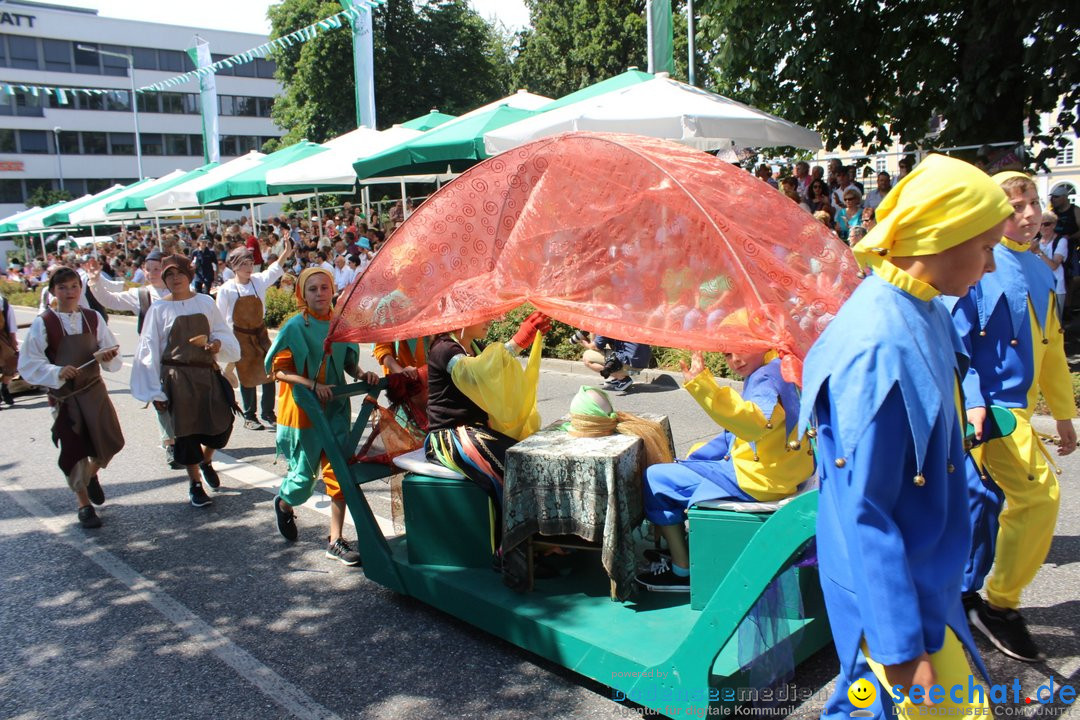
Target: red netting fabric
{"type": "Point", "coordinates": [636, 238]}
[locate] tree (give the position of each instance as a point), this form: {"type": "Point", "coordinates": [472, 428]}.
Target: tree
{"type": "Point", "coordinates": [575, 43]}
{"type": "Point", "coordinates": [440, 54]}
{"type": "Point", "coordinates": [43, 196]}
{"type": "Point", "coordinates": [865, 73]}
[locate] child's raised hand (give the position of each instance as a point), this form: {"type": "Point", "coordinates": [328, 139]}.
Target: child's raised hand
{"type": "Point", "coordinates": [696, 367]}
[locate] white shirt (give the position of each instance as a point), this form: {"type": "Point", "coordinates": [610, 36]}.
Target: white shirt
{"type": "Point", "coordinates": [343, 277]}
{"type": "Point", "coordinates": [146, 368]}
{"type": "Point", "coordinates": [139, 276]}
{"type": "Point", "coordinates": [227, 274]}
{"type": "Point", "coordinates": [231, 291]}
{"type": "Point", "coordinates": [1061, 250]}
{"type": "Point", "coordinates": [36, 369]}
{"type": "Point", "coordinates": [10, 324]}
{"type": "Point", "coordinates": [112, 295]}
{"type": "Point", "coordinates": [874, 198]}
{"type": "Point", "coordinates": [327, 266]}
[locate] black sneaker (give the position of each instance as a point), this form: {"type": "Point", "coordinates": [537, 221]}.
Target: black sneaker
{"type": "Point", "coordinates": [286, 521]}
{"type": "Point", "coordinates": [88, 518]}
{"type": "Point", "coordinates": [654, 555]}
{"type": "Point", "coordinates": [661, 579]}
{"type": "Point", "coordinates": [621, 385]}
{"type": "Point", "coordinates": [971, 601]}
{"type": "Point", "coordinates": [5, 393]}
{"type": "Point", "coordinates": [210, 475]}
{"type": "Point", "coordinates": [342, 551]}
{"type": "Point", "coordinates": [1007, 631]}
{"type": "Point", "coordinates": [252, 424]}
{"type": "Point", "coordinates": [93, 489]}
{"type": "Point", "coordinates": [270, 419]}
{"type": "Point", "coordinates": [170, 457]}
{"type": "Point", "coordinates": [198, 496]}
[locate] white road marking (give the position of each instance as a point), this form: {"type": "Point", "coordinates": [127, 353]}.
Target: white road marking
{"type": "Point", "coordinates": [288, 696]}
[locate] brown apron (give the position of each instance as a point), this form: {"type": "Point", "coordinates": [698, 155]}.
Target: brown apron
{"type": "Point", "coordinates": [190, 379]}
{"type": "Point", "coordinates": [86, 424]}
{"type": "Point", "coordinates": [9, 356]}
{"type": "Point", "coordinates": [250, 330]}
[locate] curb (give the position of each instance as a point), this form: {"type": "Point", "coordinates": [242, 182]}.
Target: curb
{"type": "Point", "coordinates": [655, 376]}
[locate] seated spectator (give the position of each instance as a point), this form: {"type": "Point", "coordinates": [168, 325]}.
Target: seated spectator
{"type": "Point", "coordinates": [824, 218]}
{"type": "Point", "coordinates": [790, 187]}
{"type": "Point", "coordinates": [764, 173]}
{"type": "Point", "coordinates": [757, 457]}
{"type": "Point", "coordinates": [616, 360]}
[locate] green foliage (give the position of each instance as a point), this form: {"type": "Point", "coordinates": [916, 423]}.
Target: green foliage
{"type": "Point", "coordinates": [672, 359]}
{"type": "Point", "coordinates": [438, 53]}
{"type": "Point", "coordinates": [865, 73]}
{"type": "Point", "coordinates": [16, 295]}
{"type": "Point", "coordinates": [575, 43]}
{"type": "Point", "coordinates": [43, 197]}
{"type": "Point", "coordinates": [280, 306]}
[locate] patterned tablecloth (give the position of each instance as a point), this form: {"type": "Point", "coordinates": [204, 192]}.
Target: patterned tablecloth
{"type": "Point", "coordinates": [556, 484]}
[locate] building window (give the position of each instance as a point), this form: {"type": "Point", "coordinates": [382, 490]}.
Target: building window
{"type": "Point", "coordinates": [881, 164]}
{"type": "Point", "coordinates": [264, 106]}
{"type": "Point", "coordinates": [122, 143]}
{"type": "Point", "coordinates": [33, 141]}
{"type": "Point", "coordinates": [87, 62]}
{"type": "Point", "coordinates": [57, 55]}
{"type": "Point", "coordinates": [196, 144]}
{"type": "Point", "coordinates": [153, 144]}
{"type": "Point", "coordinates": [145, 58]}
{"type": "Point", "coordinates": [95, 143]}
{"type": "Point", "coordinates": [222, 70]}
{"type": "Point", "coordinates": [23, 52]}
{"type": "Point", "coordinates": [191, 104]}
{"type": "Point", "coordinates": [117, 67]}
{"type": "Point", "coordinates": [176, 145]}
{"type": "Point", "coordinates": [149, 102]}
{"type": "Point", "coordinates": [3, 52]}
{"type": "Point", "coordinates": [118, 101]}
{"type": "Point", "coordinates": [75, 186]}
{"type": "Point", "coordinates": [91, 102]}
{"type": "Point", "coordinates": [171, 60]}
{"type": "Point", "coordinates": [11, 191]}
{"type": "Point", "coordinates": [245, 106]}
{"type": "Point", "coordinates": [172, 103]}
{"type": "Point", "coordinates": [265, 68]}
{"type": "Point", "coordinates": [69, 143]}
{"type": "Point", "coordinates": [228, 146]}
{"type": "Point", "coordinates": [225, 102]}
{"type": "Point", "coordinates": [7, 141]}
{"type": "Point", "coordinates": [247, 143]}
{"type": "Point", "coordinates": [28, 106]}
{"type": "Point", "coordinates": [96, 185]}
{"type": "Point", "coordinates": [1065, 154]}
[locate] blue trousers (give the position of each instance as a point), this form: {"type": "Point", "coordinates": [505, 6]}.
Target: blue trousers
{"type": "Point", "coordinates": [985, 500]}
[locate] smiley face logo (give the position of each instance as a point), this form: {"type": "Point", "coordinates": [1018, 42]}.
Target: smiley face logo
{"type": "Point", "coordinates": [862, 693]}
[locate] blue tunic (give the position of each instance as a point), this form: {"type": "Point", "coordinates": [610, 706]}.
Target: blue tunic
{"type": "Point", "coordinates": [882, 381]}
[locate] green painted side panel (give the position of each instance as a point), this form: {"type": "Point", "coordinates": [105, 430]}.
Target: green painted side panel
{"type": "Point", "coordinates": [447, 521]}
{"type": "Point", "coordinates": [717, 538]}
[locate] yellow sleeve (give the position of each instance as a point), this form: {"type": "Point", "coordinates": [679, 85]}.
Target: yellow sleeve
{"type": "Point", "coordinates": [497, 383]}
{"type": "Point", "coordinates": [1055, 380]}
{"type": "Point", "coordinates": [382, 350]}
{"type": "Point", "coordinates": [727, 408]}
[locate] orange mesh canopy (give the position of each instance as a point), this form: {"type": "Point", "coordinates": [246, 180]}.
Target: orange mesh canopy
{"type": "Point", "coordinates": [636, 238]}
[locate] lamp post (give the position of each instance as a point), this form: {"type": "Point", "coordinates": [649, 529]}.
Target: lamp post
{"type": "Point", "coordinates": [134, 102]}
{"type": "Point", "coordinates": [59, 163]}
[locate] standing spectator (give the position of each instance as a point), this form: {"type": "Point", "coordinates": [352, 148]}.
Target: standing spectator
{"type": "Point", "coordinates": [764, 173]}
{"type": "Point", "coordinates": [252, 244]}
{"type": "Point", "coordinates": [790, 187]}
{"type": "Point", "coordinates": [343, 274]}
{"type": "Point", "coordinates": [819, 200]}
{"type": "Point", "coordinates": [850, 214]}
{"type": "Point", "coordinates": [1068, 224]}
{"type": "Point", "coordinates": [905, 166]}
{"type": "Point", "coordinates": [802, 177]}
{"type": "Point", "coordinates": [397, 213]}
{"type": "Point", "coordinates": [205, 263]}
{"type": "Point", "coordinates": [1054, 250]}
{"type": "Point", "coordinates": [834, 171]}
{"type": "Point", "coordinates": [875, 196]}
{"type": "Point", "coordinates": [843, 182]}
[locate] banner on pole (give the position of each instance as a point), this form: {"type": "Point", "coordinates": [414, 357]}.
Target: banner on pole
{"type": "Point", "coordinates": [363, 60]}
{"type": "Point", "coordinates": [661, 36]}
{"type": "Point", "coordinates": [208, 102]}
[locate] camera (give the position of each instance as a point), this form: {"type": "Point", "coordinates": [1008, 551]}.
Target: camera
{"type": "Point", "coordinates": [611, 364]}
{"type": "Point", "coordinates": [580, 337]}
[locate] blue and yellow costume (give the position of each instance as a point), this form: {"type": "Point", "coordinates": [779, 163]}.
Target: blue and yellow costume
{"type": "Point", "coordinates": [298, 349]}
{"type": "Point", "coordinates": [1010, 328]}
{"type": "Point", "coordinates": [750, 461]}
{"type": "Point", "coordinates": [883, 382]}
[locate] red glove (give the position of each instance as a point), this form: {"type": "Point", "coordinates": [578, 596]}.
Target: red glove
{"type": "Point", "coordinates": [537, 322]}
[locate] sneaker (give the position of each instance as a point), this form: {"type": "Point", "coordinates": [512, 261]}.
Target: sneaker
{"type": "Point", "coordinates": [198, 496]}
{"type": "Point", "coordinates": [252, 424]}
{"type": "Point", "coordinates": [88, 518]}
{"type": "Point", "coordinates": [210, 475]}
{"type": "Point", "coordinates": [93, 489]}
{"type": "Point", "coordinates": [1007, 631]}
{"type": "Point", "coordinates": [286, 521]}
{"type": "Point", "coordinates": [170, 457]}
{"type": "Point", "coordinates": [270, 419]}
{"type": "Point", "coordinates": [654, 555]}
{"type": "Point", "coordinates": [622, 384]}
{"type": "Point", "coordinates": [5, 393]}
{"type": "Point", "coordinates": [660, 578]}
{"type": "Point", "coordinates": [341, 550]}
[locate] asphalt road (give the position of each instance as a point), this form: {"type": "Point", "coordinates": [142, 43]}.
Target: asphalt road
{"type": "Point", "coordinates": [174, 611]}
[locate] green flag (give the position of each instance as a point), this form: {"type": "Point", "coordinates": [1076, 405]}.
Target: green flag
{"type": "Point", "coordinates": [661, 36]}
{"type": "Point", "coordinates": [200, 57]}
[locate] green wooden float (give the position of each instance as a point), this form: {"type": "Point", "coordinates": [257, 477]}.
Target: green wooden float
{"type": "Point", "coordinates": [667, 652]}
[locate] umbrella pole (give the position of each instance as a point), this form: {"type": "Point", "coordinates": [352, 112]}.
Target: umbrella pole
{"type": "Point", "coordinates": [318, 214]}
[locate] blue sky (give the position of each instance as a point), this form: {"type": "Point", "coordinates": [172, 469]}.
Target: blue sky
{"type": "Point", "coordinates": [250, 15]}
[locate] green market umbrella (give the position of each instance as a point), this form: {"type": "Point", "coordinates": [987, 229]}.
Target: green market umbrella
{"type": "Point", "coordinates": [626, 79]}
{"type": "Point", "coordinates": [427, 122]}
{"type": "Point", "coordinates": [10, 224]}
{"type": "Point", "coordinates": [61, 215]}
{"type": "Point", "coordinates": [251, 183]}
{"type": "Point", "coordinates": [457, 144]}
{"type": "Point", "coordinates": [136, 202]}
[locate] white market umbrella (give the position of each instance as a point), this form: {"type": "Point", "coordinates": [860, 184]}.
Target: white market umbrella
{"type": "Point", "coordinates": [185, 195]}
{"type": "Point", "coordinates": [332, 169]}
{"type": "Point", "coordinates": [661, 108]}
{"type": "Point", "coordinates": [94, 213]}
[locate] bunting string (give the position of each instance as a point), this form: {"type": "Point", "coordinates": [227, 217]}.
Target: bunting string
{"type": "Point", "coordinates": [303, 35]}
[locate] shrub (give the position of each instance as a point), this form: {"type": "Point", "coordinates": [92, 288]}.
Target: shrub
{"type": "Point", "coordinates": [280, 306]}
{"type": "Point", "coordinates": [16, 295]}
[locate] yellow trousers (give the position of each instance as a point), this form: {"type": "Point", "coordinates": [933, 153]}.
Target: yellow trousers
{"type": "Point", "coordinates": [953, 674]}
{"type": "Point", "coordinates": [1026, 525]}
